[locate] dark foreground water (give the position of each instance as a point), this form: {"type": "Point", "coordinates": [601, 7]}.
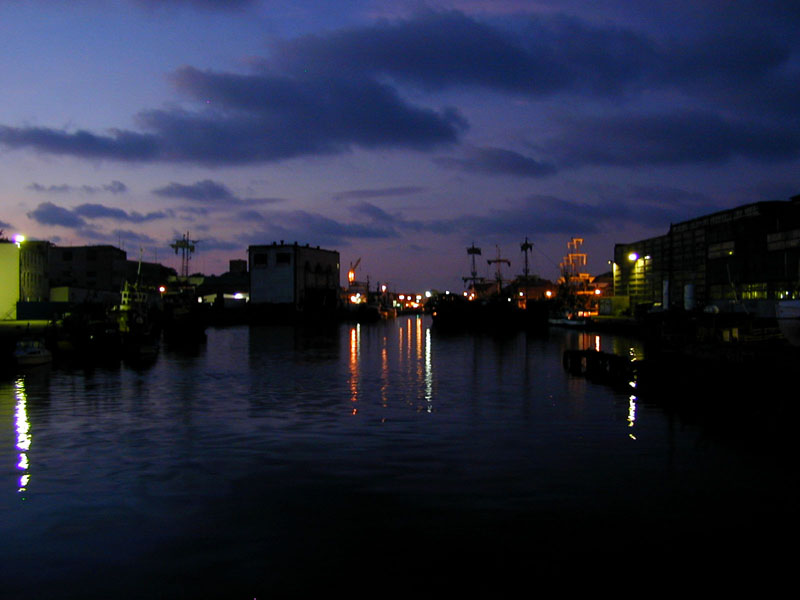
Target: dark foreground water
{"type": "Point", "coordinates": [374, 460]}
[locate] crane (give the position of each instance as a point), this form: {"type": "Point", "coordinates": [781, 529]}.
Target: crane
{"type": "Point", "coordinates": [351, 274]}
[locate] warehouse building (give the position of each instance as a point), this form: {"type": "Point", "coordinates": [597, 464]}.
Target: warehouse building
{"type": "Point", "coordinates": [743, 258]}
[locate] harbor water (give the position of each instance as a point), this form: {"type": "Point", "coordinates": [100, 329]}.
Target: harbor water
{"type": "Point", "coordinates": [380, 459]}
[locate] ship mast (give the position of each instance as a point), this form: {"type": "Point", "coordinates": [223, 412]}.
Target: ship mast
{"type": "Point", "coordinates": [526, 247]}
{"type": "Point", "coordinates": [473, 251]}
{"type": "Point", "coordinates": [499, 261]}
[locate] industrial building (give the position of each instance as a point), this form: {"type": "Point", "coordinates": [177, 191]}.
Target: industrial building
{"type": "Point", "coordinates": [292, 276]}
{"type": "Point", "coordinates": [24, 275]}
{"type": "Point", "coordinates": [743, 258]}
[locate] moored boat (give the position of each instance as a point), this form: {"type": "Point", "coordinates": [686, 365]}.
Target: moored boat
{"type": "Point", "coordinates": [31, 352]}
{"type": "Point", "coordinates": [138, 335]}
{"type": "Point", "coordinates": [787, 312]}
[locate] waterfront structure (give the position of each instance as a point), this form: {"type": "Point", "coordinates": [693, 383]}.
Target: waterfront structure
{"type": "Point", "coordinates": [101, 268]}
{"type": "Point", "coordinates": [9, 277]}
{"type": "Point", "coordinates": [24, 274]}
{"type": "Point", "coordinates": [88, 267]}
{"type": "Point", "coordinates": [745, 256]}
{"type": "Point", "coordinates": [291, 276]}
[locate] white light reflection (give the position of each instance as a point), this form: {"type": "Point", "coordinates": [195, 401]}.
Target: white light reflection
{"type": "Point", "coordinates": [23, 428]}
{"type": "Point", "coordinates": [355, 343]}
{"type": "Point", "coordinates": [632, 414]}
{"type": "Point", "coordinates": [428, 370]}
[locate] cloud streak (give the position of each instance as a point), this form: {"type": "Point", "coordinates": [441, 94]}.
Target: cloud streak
{"type": "Point", "coordinates": [115, 187]}
{"type": "Point", "coordinates": [209, 193]}
{"type": "Point", "coordinates": [48, 213]}
{"type": "Point", "coordinates": [498, 161]}
{"type": "Point", "coordinates": [379, 192]}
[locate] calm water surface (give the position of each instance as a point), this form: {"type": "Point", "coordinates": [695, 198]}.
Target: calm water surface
{"type": "Point", "coordinates": [379, 459]}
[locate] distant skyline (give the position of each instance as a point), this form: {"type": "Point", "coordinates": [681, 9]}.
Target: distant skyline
{"type": "Point", "coordinates": [396, 132]}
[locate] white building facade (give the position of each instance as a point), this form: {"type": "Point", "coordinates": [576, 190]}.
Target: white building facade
{"type": "Point", "coordinates": [291, 275]}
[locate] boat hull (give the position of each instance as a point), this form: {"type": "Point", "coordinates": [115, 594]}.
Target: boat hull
{"type": "Point", "coordinates": [787, 312]}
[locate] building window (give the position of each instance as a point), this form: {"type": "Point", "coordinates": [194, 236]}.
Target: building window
{"type": "Point", "coordinates": [754, 291]}
{"type": "Point", "coordinates": [783, 240]}
{"type": "Point", "coordinates": [260, 260]}
{"type": "Point", "coordinates": [66, 255]}
{"type": "Point", "coordinates": [720, 250]}
{"type": "Point", "coordinates": [283, 258]}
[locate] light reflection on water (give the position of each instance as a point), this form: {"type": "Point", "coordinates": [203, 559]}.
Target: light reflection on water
{"type": "Point", "coordinates": [278, 458]}
{"type": "Point", "coordinates": [23, 427]}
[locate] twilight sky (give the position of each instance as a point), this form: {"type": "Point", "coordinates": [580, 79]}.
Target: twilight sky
{"type": "Point", "coordinates": [395, 132]}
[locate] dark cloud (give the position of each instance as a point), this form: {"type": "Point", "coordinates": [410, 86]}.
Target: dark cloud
{"type": "Point", "coordinates": [541, 214]}
{"type": "Point", "coordinates": [133, 237]}
{"type": "Point", "coordinates": [498, 161]}
{"type": "Point", "coordinates": [249, 119]}
{"type": "Point", "coordinates": [538, 214]}
{"type": "Point", "coordinates": [289, 115]}
{"type": "Point", "coordinates": [250, 216]}
{"type": "Point", "coordinates": [118, 145]}
{"type": "Point", "coordinates": [206, 244]}
{"type": "Point", "coordinates": [673, 138]}
{"type": "Point", "coordinates": [209, 192]}
{"type": "Point", "coordinates": [655, 206]}
{"type": "Point", "coordinates": [51, 189]}
{"type": "Point", "coordinates": [4, 225]}
{"type": "Point", "coordinates": [329, 228]}
{"type": "Point", "coordinates": [444, 49]}
{"type": "Point", "coordinates": [378, 192]}
{"type": "Point", "coordinates": [374, 213]}
{"type": "Point", "coordinates": [266, 200]}
{"type": "Point", "coordinates": [535, 215]}
{"type": "Point", "coordinates": [291, 226]}
{"type": "Point", "coordinates": [201, 191]}
{"type": "Point", "coordinates": [737, 84]}
{"type": "Point", "coordinates": [48, 213]}
{"type": "Point", "coordinates": [115, 187]}
{"type": "Point", "coordinates": [99, 211]}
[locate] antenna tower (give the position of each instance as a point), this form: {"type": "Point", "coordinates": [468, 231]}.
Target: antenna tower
{"type": "Point", "coordinates": [186, 247]}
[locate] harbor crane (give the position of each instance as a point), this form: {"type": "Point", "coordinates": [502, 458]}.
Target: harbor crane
{"type": "Point", "coordinates": [351, 274]}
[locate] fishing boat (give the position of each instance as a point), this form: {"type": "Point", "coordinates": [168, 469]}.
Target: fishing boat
{"type": "Point", "coordinates": [184, 319]}
{"type": "Point", "coordinates": [787, 313]}
{"type": "Point", "coordinates": [137, 330]}
{"type": "Point", "coordinates": [31, 352]}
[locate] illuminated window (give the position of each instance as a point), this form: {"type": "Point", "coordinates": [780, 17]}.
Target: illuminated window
{"type": "Point", "coordinates": [754, 291]}
{"type": "Point", "coordinates": [721, 250]}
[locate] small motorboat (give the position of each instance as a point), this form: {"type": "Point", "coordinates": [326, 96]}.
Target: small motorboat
{"type": "Point", "coordinates": [30, 352]}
